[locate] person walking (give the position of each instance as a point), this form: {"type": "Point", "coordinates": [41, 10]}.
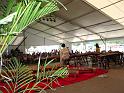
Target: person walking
{"type": "Point", "coordinates": [64, 55]}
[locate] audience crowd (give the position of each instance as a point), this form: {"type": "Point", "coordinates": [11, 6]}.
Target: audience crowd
{"type": "Point", "coordinates": [32, 58]}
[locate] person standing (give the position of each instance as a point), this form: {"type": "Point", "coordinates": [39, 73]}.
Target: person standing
{"type": "Point", "coordinates": [97, 48]}
{"type": "Point", "coordinates": [64, 55]}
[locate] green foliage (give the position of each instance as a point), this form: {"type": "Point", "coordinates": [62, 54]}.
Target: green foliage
{"type": "Point", "coordinates": [15, 16]}
{"type": "Point", "coordinates": [51, 75]}
{"type": "Point", "coordinates": [43, 73]}
{"type": "Point", "coordinates": [27, 11]}
{"type": "Point", "coordinates": [16, 76]}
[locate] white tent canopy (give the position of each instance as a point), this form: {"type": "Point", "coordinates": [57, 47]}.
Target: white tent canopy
{"type": "Point", "coordinates": [82, 21]}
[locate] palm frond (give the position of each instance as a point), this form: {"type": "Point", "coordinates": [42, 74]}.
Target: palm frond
{"type": "Point", "coordinates": [6, 6]}
{"type": "Point", "coordinates": [19, 74]}
{"type": "Point", "coordinates": [27, 12]}
{"type": "Point", "coordinates": [18, 15]}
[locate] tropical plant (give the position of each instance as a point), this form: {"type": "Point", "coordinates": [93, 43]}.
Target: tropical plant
{"type": "Point", "coordinates": [51, 75]}
{"type": "Point", "coordinates": [16, 15]}
{"type": "Point", "coordinates": [19, 77]}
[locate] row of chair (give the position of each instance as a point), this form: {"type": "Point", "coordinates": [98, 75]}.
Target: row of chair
{"type": "Point", "coordinates": [102, 61]}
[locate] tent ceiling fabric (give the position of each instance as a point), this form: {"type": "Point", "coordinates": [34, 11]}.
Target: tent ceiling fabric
{"type": "Point", "coordinates": [113, 8]}
{"type": "Point", "coordinates": [92, 18]}
{"type": "Point", "coordinates": [79, 32]}
{"type": "Point", "coordinates": [84, 20]}
{"type": "Point", "coordinates": [67, 27]}
{"type": "Point", "coordinates": [53, 31]}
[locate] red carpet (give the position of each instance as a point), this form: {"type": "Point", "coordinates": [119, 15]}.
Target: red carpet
{"type": "Point", "coordinates": [81, 77]}
{"type": "Point", "coordinates": [69, 80]}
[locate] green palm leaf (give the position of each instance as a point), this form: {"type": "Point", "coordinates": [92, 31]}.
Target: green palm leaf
{"type": "Point", "coordinates": [20, 76]}
{"type": "Point", "coordinates": [27, 12]}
